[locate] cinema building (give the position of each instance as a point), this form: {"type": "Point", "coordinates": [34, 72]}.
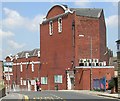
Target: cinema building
{"type": "Point", "coordinates": [73, 48]}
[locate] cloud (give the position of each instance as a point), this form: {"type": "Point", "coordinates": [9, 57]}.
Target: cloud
{"type": "Point", "coordinates": [82, 3]}
{"type": "Point", "coordinates": [15, 45]}
{"type": "Point", "coordinates": [112, 21]}
{"type": "Point", "coordinates": [5, 34]}
{"type": "Point", "coordinates": [14, 20]}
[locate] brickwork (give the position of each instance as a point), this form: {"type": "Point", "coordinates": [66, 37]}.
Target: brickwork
{"type": "Point", "coordinates": [62, 51]}
{"type": "Point", "coordinates": [82, 78]}
{"type": "Point", "coordinates": [24, 69]}
{"type": "Point", "coordinates": [118, 59]}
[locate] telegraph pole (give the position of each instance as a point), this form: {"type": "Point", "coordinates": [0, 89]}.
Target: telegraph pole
{"type": "Point", "coordinates": [91, 63]}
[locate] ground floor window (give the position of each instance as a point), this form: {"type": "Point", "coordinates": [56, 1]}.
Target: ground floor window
{"type": "Point", "coordinates": [58, 78]}
{"type": "Point", "coordinates": [43, 80]}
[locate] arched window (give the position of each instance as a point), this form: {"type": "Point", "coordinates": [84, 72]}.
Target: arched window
{"type": "Point", "coordinates": [59, 24]}
{"type": "Point", "coordinates": [50, 27]}
{"type": "Point", "coordinates": [32, 66]}
{"type": "Point", "coordinates": [21, 67]}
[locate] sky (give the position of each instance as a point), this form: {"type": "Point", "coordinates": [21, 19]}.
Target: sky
{"type": "Point", "coordinates": [19, 23]}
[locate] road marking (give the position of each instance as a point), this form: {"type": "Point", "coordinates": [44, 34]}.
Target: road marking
{"type": "Point", "coordinates": [34, 99]}
{"type": "Point", "coordinates": [47, 98]}
{"type": "Point", "coordinates": [26, 98]}
{"type": "Point", "coordinates": [57, 97]}
{"type": "Point", "coordinates": [40, 98]}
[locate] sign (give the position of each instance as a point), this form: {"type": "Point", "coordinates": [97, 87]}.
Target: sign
{"type": "Point", "coordinates": [8, 66]}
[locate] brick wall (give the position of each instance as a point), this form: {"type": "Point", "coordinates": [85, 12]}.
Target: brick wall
{"type": "Point", "coordinates": [56, 10]}
{"type": "Point", "coordinates": [89, 27]}
{"type": "Point", "coordinates": [82, 76]}
{"type": "Point", "coordinates": [26, 71]}
{"type": "Point", "coordinates": [56, 50]}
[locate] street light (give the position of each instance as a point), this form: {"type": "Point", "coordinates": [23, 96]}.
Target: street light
{"type": "Point", "coordinates": [91, 59]}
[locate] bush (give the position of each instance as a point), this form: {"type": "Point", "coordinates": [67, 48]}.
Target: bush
{"type": "Point", "coordinates": [111, 84]}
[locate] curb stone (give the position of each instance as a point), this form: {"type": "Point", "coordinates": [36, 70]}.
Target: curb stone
{"type": "Point", "coordinates": [108, 96]}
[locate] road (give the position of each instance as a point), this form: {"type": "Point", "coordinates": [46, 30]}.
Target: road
{"type": "Point", "coordinates": [60, 95]}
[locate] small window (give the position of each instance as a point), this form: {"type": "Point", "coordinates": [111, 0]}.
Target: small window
{"type": "Point", "coordinates": [58, 78]}
{"type": "Point", "coordinates": [21, 67]}
{"type": "Point", "coordinates": [60, 25]}
{"type": "Point", "coordinates": [43, 80]}
{"type": "Point", "coordinates": [50, 27]}
{"type": "Point", "coordinates": [118, 46]}
{"type": "Point", "coordinates": [32, 67]}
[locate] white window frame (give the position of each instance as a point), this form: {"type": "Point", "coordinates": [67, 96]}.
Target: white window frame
{"type": "Point", "coordinates": [21, 69]}
{"type": "Point", "coordinates": [51, 27]}
{"type": "Point", "coordinates": [44, 80]}
{"type": "Point", "coordinates": [32, 66]}
{"type": "Point", "coordinates": [57, 78]}
{"type": "Point", "coordinates": [59, 25]}
{"type": "Point", "coordinates": [21, 81]}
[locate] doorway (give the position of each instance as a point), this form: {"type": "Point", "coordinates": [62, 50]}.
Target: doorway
{"type": "Point", "coordinates": [70, 80]}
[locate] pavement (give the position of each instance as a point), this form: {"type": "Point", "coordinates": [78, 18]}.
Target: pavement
{"type": "Point", "coordinates": [98, 93]}
{"type": "Point", "coordinates": [14, 95]}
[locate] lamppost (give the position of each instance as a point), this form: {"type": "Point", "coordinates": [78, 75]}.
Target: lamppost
{"type": "Point", "coordinates": [91, 80]}
{"type": "Point", "coordinates": [16, 57]}
{"type": "Point", "coordinates": [90, 58]}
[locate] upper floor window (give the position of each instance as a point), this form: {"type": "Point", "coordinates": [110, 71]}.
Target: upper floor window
{"type": "Point", "coordinates": [118, 47]}
{"type": "Point", "coordinates": [60, 25]}
{"type": "Point", "coordinates": [21, 67]}
{"type": "Point", "coordinates": [50, 27]}
{"type": "Point", "coordinates": [32, 66]}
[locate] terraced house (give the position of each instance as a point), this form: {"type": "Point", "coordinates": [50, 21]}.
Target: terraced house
{"type": "Point", "coordinates": [73, 48]}
{"type": "Point", "coordinates": [26, 65]}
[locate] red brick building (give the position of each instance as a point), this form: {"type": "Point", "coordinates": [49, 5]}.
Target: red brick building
{"type": "Point", "coordinates": [26, 65]}
{"type": "Point", "coordinates": [69, 39]}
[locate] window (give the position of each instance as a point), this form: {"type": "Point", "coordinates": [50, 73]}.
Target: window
{"type": "Point", "coordinates": [58, 78]}
{"type": "Point", "coordinates": [21, 67]}
{"type": "Point", "coordinates": [32, 66]}
{"type": "Point", "coordinates": [21, 82]}
{"type": "Point", "coordinates": [43, 80]}
{"type": "Point", "coordinates": [118, 47]}
{"type": "Point", "coordinates": [50, 27]}
{"type": "Point", "coordinates": [60, 25]}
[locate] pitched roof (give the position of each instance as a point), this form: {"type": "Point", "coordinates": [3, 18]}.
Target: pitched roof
{"type": "Point", "coordinates": [89, 12]}
{"type": "Point", "coordinates": [34, 52]}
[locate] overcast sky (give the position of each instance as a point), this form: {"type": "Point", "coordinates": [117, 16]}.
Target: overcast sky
{"type": "Point", "coordinates": [19, 23]}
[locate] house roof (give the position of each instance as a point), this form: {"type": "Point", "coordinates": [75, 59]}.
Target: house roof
{"type": "Point", "coordinates": [89, 12]}
{"type": "Point", "coordinates": [34, 52]}
{"type": "Point", "coordinates": [118, 41]}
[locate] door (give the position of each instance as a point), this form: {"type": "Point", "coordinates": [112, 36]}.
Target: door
{"type": "Point", "coordinates": [70, 80]}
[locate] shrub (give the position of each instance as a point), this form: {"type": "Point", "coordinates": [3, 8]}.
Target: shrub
{"type": "Point", "coordinates": [111, 84]}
